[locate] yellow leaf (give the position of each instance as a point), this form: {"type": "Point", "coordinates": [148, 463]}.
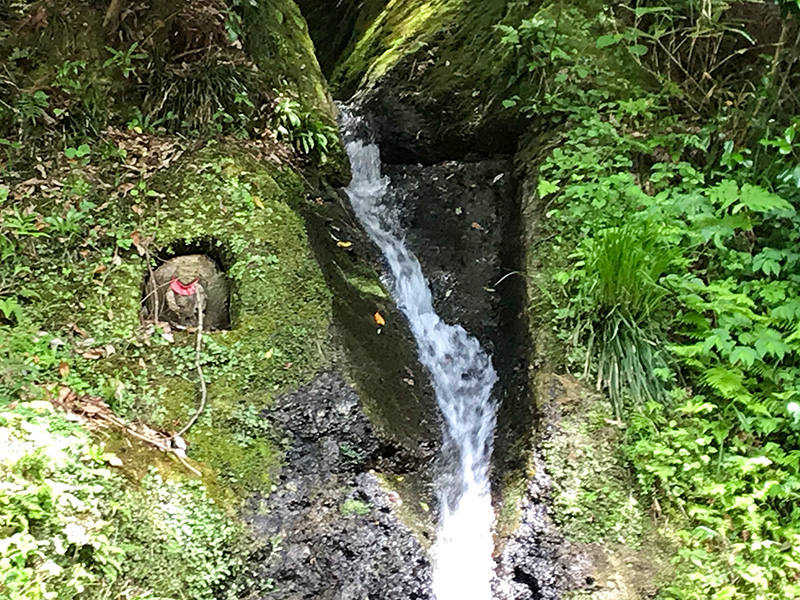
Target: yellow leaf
{"type": "Point", "coordinates": [257, 201]}
{"type": "Point", "coordinates": [379, 319]}
{"type": "Point", "coordinates": [344, 244]}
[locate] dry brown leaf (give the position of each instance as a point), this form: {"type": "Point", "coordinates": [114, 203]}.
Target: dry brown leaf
{"type": "Point", "coordinates": [63, 369]}
{"type": "Point", "coordinates": [137, 243]}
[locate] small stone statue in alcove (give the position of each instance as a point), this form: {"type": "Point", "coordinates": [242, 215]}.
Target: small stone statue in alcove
{"type": "Point", "coordinates": [176, 289]}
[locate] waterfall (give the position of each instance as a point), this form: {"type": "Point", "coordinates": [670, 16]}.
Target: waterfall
{"type": "Point", "coordinates": [462, 376]}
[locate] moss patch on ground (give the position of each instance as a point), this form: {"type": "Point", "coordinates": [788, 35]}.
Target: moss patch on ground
{"type": "Point", "coordinates": [593, 498]}
{"type": "Point", "coordinates": [85, 290]}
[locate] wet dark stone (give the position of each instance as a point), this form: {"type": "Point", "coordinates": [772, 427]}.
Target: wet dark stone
{"type": "Point", "coordinates": [333, 531]}
{"type": "Point", "coordinates": [461, 220]}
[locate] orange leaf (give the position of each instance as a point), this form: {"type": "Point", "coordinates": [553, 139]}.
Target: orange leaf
{"type": "Point", "coordinates": [379, 319]}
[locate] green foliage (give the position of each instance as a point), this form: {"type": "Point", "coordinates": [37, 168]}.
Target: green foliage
{"type": "Point", "coordinates": [621, 279]}
{"type": "Point", "coordinates": [207, 96]}
{"type": "Point", "coordinates": [73, 529]}
{"type": "Point", "coordinates": [127, 61]}
{"type": "Point", "coordinates": [355, 507]}
{"type": "Point", "coordinates": [54, 505]}
{"type": "Point", "coordinates": [305, 131]}
{"type": "Point", "coordinates": [196, 551]}
{"type": "Point", "coordinates": [673, 263]}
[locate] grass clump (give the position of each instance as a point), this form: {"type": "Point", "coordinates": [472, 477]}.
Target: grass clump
{"type": "Point", "coordinates": [623, 269]}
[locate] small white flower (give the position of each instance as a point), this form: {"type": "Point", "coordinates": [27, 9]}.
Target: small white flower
{"type": "Point", "coordinates": [76, 534]}
{"type": "Point", "coordinates": [51, 568]}
{"type": "Point", "coordinates": [793, 407]}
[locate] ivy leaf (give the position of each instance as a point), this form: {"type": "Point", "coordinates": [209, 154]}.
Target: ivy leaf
{"type": "Point", "coordinates": [637, 49]}
{"type": "Point", "coordinates": [720, 338]}
{"type": "Point", "coordinates": [545, 188]}
{"type": "Point", "coordinates": [788, 311]}
{"type": "Point", "coordinates": [724, 193]}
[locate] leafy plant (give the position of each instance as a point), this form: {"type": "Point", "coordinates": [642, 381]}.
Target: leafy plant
{"type": "Point", "coordinates": [307, 133]}
{"type": "Point", "coordinates": [54, 493]}
{"type": "Point", "coordinates": [624, 266]}
{"type": "Point", "coordinates": [127, 61]}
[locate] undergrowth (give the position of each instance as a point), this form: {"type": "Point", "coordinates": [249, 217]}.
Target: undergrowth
{"type": "Point", "coordinates": [670, 207]}
{"type": "Point", "coordinates": [74, 527]}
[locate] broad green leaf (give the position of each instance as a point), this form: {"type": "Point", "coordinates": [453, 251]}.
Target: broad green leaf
{"type": "Point", "coordinates": [637, 49]}
{"type": "Point", "coordinates": [606, 40]}
{"type": "Point", "coordinates": [771, 342]}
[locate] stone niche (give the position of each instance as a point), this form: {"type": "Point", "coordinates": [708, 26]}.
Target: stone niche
{"type": "Point", "coordinates": [173, 291]}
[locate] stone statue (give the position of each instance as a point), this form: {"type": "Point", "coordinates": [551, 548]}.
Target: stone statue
{"type": "Point", "coordinates": [176, 289]}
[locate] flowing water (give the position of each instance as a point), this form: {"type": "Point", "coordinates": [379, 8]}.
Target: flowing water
{"type": "Point", "coordinates": [463, 378]}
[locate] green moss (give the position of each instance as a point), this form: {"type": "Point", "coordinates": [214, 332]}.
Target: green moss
{"type": "Point", "coordinates": [593, 498]}
{"type": "Point", "coordinates": [281, 306]}
{"type": "Point", "coordinates": [277, 38]}
{"type": "Point", "coordinates": [398, 31]}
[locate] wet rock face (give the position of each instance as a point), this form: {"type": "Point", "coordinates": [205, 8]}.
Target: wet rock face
{"type": "Point", "coordinates": [537, 563]}
{"type": "Point", "coordinates": [334, 531]}
{"type": "Point", "coordinates": [461, 221]}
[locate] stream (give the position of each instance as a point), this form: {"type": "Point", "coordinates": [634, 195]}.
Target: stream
{"type": "Point", "coordinates": [462, 375]}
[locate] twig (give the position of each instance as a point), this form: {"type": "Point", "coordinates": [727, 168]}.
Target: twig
{"type": "Point", "coordinates": [155, 286]}
{"type": "Point", "coordinates": [198, 346]}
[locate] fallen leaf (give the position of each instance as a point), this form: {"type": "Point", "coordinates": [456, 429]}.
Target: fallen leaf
{"type": "Point", "coordinates": [409, 382]}
{"type": "Point", "coordinates": [344, 244]}
{"type": "Point", "coordinates": [124, 188]}
{"type": "Point", "coordinates": [137, 209]}
{"type": "Point", "coordinates": [78, 330]}
{"type": "Point", "coordinates": [110, 350]}
{"type": "Point", "coordinates": [136, 237]}
{"type": "Point", "coordinates": [257, 201]}
{"type": "Point", "coordinates": [477, 226]}
{"type": "Point", "coordinates": [92, 354]}
{"type": "Point", "coordinates": [100, 269]}
{"type": "Point", "coordinates": [288, 365]}
{"type": "Point", "coordinates": [379, 319]}
{"type": "Point", "coordinates": [63, 369]}
{"type": "Point", "coordinates": [114, 460]}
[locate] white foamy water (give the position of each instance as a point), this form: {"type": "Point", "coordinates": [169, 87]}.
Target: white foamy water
{"type": "Point", "coordinates": [463, 378]}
